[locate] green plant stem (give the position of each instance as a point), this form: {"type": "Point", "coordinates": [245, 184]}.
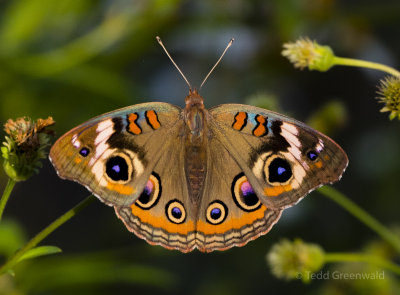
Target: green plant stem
{"type": "Point", "coordinates": [365, 64]}
{"type": "Point", "coordinates": [45, 232]}
{"type": "Point", "coordinates": [6, 195]}
{"type": "Point", "coordinates": [362, 215]}
{"type": "Point", "coordinates": [358, 257]}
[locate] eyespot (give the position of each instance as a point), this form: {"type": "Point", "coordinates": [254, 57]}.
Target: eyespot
{"type": "Point", "coordinates": [175, 212]}
{"type": "Point", "coordinates": [216, 212]}
{"type": "Point", "coordinates": [119, 168]}
{"type": "Point", "coordinates": [312, 155]}
{"type": "Point", "coordinates": [84, 152]}
{"type": "Point", "coordinates": [243, 194]}
{"type": "Point", "coordinates": [151, 193]}
{"type": "Point", "coordinates": [279, 170]}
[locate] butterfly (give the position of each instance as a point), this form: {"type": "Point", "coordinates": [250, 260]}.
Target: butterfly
{"type": "Point", "coordinates": [196, 178]}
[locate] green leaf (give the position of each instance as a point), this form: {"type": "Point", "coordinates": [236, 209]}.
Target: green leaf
{"type": "Point", "coordinates": [40, 251]}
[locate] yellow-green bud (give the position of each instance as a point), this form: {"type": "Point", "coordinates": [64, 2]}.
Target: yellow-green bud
{"type": "Point", "coordinates": [295, 260]}
{"type": "Point", "coordinates": [389, 94]}
{"type": "Point", "coordinates": [306, 53]}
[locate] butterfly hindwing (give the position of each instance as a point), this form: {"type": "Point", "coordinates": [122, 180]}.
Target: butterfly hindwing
{"type": "Point", "coordinates": [164, 214]}
{"type": "Point", "coordinates": [283, 159]}
{"type": "Point", "coordinates": [113, 154]}
{"type": "Point", "coordinates": [230, 212]}
{"type": "Point", "coordinates": [226, 212]}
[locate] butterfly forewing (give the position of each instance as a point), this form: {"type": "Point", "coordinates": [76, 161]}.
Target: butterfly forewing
{"type": "Point", "coordinates": [283, 159]}
{"type": "Point", "coordinates": [113, 154]}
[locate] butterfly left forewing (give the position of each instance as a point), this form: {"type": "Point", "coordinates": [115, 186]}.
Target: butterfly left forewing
{"type": "Point", "coordinates": [283, 159]}
{"type": "Point", "coordinates": [113, 154]}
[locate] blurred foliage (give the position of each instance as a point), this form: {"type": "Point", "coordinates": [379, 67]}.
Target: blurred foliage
{"type": "Point", "coordinates": [89, 273]}
{"type": "Point", "coordinates": [384, 282]}
{"type": "Point", "coordinates": [77, 59]}
{"type": "Point", "coordinates": [12, 238]}
{"type": "Point", "coordinates": [330, 117]}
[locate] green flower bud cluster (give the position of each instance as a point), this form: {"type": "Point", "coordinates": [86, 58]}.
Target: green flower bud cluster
{"type": "Point", "coordinates": [25, 146]}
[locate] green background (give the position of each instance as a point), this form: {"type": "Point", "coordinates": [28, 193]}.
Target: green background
{"type": "Point", "coordinates": [73, 60]}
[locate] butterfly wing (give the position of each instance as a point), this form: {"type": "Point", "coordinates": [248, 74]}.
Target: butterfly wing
{"type": "Point", "coordinates": [227, 213]}
{"type": "Point", "coordinates": [282, 158]}
{"type": "Point", "coordinates": [230, 213]}
{"type": "Point", "coordinates": [113, 154]}
{"type": "Point", "coordinates": [164, 214]}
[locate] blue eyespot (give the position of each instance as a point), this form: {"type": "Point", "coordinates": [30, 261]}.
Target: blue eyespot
{"type": "Point", "coordinates": [176, 212]}
{"type": "Point", "coordinates": [249, 197]}
{"type": "Point", "coordinates": [279, 170]}
{"type": "Point", "coordinates": [151, 193]}
{"type": "Point", "coordinates": [117, 169]}
{"type": "Point", "coordinates": [84, 152]}
{"type": "Point", "coordinates": [216, 212]}
{"type": "Point", "coordinates": [312, 155]}
{"type": "Point", "coordinates": [243, 194]}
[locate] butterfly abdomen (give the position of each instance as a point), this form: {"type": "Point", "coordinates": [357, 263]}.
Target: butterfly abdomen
{"type": "Point", "coordinates": [195, 170]}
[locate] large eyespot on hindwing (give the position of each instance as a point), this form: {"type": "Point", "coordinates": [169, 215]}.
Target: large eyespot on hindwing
{"type": "Point", "coordinates": [216, 212]}
{"type": "Point", "coordinates": [243, 194]}
{"type": "Point", "coordinates": [151, 193]}
{"type": "Point", "coordinates": [278, 170]}
{"type": "Point", "coordinates": [175, 211]}
{"type": "Point", "coordinates": [118, 168]}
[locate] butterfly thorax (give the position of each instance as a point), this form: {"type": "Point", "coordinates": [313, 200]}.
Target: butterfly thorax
{"type": "Point", "coordinates": [195, 116]}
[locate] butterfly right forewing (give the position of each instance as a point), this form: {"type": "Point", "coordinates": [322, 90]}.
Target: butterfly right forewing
{"type": "Point", "coordinates": [114, 154]}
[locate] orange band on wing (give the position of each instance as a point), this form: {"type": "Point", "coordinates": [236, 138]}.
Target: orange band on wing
{"type": "Point", "coordinates": [162, 222]}
{"type": "Point", "coordinates": [152, 119]}
{"type": "Point", "coordinates": [133, 127]}
{"type": "Point", "coordinates": [240, 121]}
{"type": "Point", "coordinates": [260, 129]}
{"type": "Point", "coordinates": [231, 223]}
{"type": "Point", "coordinates": [277, 190]}
{"type": "Point", "coordinates": [316, 165]}
{"type": "Point", "coordinates": [120, 188]}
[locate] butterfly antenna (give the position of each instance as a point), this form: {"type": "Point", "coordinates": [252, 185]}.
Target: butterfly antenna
{"type": "Point", "coordinates": [218, 61]}
{"type": "Point", "coordinates": [179, 70]}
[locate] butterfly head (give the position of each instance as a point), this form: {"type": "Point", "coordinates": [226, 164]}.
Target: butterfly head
{"type": "Point", "coordinates": [193, 99]}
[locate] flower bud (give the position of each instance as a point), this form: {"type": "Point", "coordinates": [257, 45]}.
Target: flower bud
{"type": "Point", "coordinates": [25, 146]}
